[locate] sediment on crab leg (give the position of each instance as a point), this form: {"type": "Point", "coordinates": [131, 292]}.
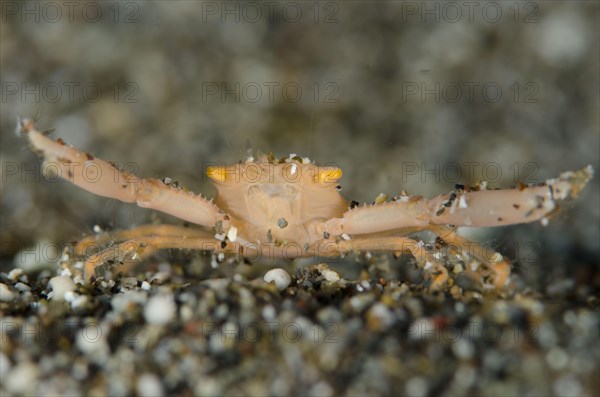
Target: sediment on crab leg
{"type": "Point", "coordinates": [489, 258]}
{"type": "Point", "coordinates": [104, 179]}
{"type": "Point", "coordinates": [486, 208]}
{"type": "Point", "coordinates": [463, 208]}
{"type": "Point", "coordinates": [91, 244]}
{"type": "Point", "coordinates": [432, 267]}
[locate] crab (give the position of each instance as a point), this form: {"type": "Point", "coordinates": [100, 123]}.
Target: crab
{"type": "Point", "coordinates": [292, 208]}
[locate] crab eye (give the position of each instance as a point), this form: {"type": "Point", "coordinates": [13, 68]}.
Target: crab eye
{"type": "Point", "coordinates": [216, 173]}
{"type": "Point", "coordinates": [328, 175]}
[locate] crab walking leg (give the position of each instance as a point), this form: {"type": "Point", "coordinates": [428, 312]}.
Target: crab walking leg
{"type": "Point", "coordinates": [431, 265]}
{"type": "Point", "coordinates": [104, 179]}
{"type": "Point", "coordinates": [136, 248]}
{"type": "Point", "coordinates": [90, 244]}
{"type": "Point", "coordinates": [509, 206]}
{"type": "Point", "coordinates": [492, 259]}
{"type": "Point", "coordinates": [141, 246]}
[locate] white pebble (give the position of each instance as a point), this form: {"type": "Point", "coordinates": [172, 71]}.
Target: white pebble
{"type": "Point", "coordinates": [149, 385]}
{"type": "Point", "coordinates": [330, 275]}
{"type": "Point", "coordinates": [60, 286]}
{"type": "Point", "coordinates": [6, 295]}
{"type": "Point", "coordinates": [65, 272]}
{"type": "Point", "coordinates": [22, 379]}
{"type": "Point", "coordinates": [122, 302]}
{"type": "Point", "coordinates": [280, 277]}
{"type": "Point", "coordinates": [22, 287]}
{"type": "Point", "coordinates": [4, 365]}
{"type": "Point", "coordinates": [91, 341]}
{"type": "Point", "coordinates": [381, 312]}
{"type": "Point", "coordinates": [75, 300]}
{"type": "Point", "coordinates": [416, 387]}
{"type": "Point", "coordinates": [146, 286]}
{"type": "Point", "coordinates": [15, 273]}
{"type": "Point", "coordinates": [269, 313]}
{"type": "Point", "coordinates": [463, 349]}
{"type": "Point", "coordinates": [321, 389]}
{"type": "Point", "coordinates": [39, 256]}
{"type": "Point", "coordinates": [160, 309]}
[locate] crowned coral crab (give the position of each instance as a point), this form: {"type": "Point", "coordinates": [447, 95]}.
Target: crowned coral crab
{"type": "Point", "coordinates": [291, 208]}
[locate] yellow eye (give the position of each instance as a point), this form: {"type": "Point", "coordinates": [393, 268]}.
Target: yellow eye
{"type": "Point", "coordinates": [217, 174]}
{"type": "Point", "coordinates": [329, 175]}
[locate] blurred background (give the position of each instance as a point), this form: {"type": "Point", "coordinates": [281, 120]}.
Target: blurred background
{"type": "Point", "coordinates": [417, 96]}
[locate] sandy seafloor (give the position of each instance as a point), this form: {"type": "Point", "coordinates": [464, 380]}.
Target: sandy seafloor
{"type": "Point", "coordinates": [415, 96]}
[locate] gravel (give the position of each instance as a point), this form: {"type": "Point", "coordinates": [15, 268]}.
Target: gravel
{"type": "Point", "coordinates": [189, 335]}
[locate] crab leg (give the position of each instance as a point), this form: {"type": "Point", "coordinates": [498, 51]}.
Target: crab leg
{"type": "Point", "coordinates": [433, 268]}
{"type": "Point", "coordinates": [499, 265]}
{"type": "Point", "coordinates": [412, 212]}
{"type": "Point", "coordinates": [141, 245]}
{"type": "Point", "coordinates": [135, 248]}
{"type": "Point", "coordinates": [104, 179]}
{"type": "Point", "coordinates": [510, 206]}
{"type": "Point", "coordinates": [472, 208]}
{"type": "Point", "coordinates": [90, 244]}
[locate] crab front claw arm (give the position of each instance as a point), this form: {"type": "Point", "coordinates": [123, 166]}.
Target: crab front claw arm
{"type": "Point", "coordinates": [375, 218]}
{"type": "Point", "coordinates": [105, 179]}
{"type": "Point", "coordinates": [523, 204]}
{"type": "Point", "coordinates": [480, 208]}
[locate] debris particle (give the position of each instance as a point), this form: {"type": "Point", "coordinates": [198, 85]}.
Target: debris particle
{"type": "Point", "coordinates": [462, 202]}
{"type": "Point", "coordinates": [282, 223]}
{"type": "Point", "coordinates": [381, 198]}
{"type": "Point", "coordinates": [280, 277]}
{"type": "Point", "coordinates": [269, 236]}
{"type": "Point", "coordinates": [330, 275]}
{"type": "Point", "coordinates": [232, 233]}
